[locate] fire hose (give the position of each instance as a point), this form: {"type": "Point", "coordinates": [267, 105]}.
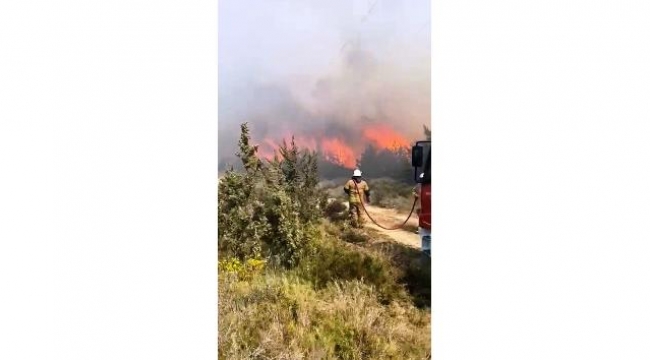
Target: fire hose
{"type": "Point", "coordinates": [375, 222]}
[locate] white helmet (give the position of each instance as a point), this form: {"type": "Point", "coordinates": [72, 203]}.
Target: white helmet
{"type": "Point", "coordinates": [356, 172]}
{"type": "Point", "coordinates": [422, 176]}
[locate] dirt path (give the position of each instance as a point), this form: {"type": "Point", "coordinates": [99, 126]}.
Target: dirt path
{"type": "Point", "coordinates": [391, 218]}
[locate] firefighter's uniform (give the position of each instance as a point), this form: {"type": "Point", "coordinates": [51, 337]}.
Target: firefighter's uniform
{"type": "Point", "coordinates": [356, 194]}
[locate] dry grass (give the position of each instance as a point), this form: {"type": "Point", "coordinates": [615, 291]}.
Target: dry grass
{"type": "Point", "coordinates": [280, 316]}
{"type": "Point", "coordinates": [348, 300]}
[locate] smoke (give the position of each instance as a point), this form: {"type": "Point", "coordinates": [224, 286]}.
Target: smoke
{"type": "Point", "coordinates": [321, 71]}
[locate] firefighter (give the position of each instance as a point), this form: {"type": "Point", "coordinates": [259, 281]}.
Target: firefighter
{"type": "Point", "coordinates": [358, 191]}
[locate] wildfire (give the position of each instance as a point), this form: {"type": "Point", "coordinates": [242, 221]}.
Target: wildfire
{"type": "Point", "coordinates": [337, 150]}
{"type": "Point", "coordinates": [385, 138]}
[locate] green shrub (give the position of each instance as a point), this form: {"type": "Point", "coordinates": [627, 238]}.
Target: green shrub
{"type": "Point", "coordinates": [332, 261]}
{"type": "Point", "coordinates": [412, 269]}
{"type": "Point", "coordinates": [417, 279]}
{"type": "Point", "coordinates": [242, 225]}
{"type": "Point", "coordinates": [267, 209]}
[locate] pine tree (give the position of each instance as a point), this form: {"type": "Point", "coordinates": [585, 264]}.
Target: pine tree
{"type": "Point", "coordinates": [248, 153]}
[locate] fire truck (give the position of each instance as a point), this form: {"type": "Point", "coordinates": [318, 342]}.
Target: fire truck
{"type": "Point", "coordinates": [421, 162]}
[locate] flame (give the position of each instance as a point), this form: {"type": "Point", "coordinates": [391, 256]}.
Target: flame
{"type": "Point", "coordinates": [338, 152]}
{"type": "Point", "coordinates": [335, 149]}
{"type": "Point", "coordinates": [384, 137]}
{"type": "Point", "coordinates": [307, 143]}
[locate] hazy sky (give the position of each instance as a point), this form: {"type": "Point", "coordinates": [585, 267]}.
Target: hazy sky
{"type": "Point", "coordinates": [276, 57]}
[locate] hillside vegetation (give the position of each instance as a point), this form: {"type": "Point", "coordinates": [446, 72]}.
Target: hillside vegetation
{"type": "Point", "coordinates": [377, 163]}
{"type": "Point", "coordinates": [295, 282]}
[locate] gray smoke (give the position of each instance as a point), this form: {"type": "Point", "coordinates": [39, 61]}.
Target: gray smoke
{"type": "Point", "coordinates": [319, 68]}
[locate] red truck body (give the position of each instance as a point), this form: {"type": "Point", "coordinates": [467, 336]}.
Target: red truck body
{"type": "Point", "coordinates": [424, 217]}
{"type": "Point", "coordinates": [425, 206]}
